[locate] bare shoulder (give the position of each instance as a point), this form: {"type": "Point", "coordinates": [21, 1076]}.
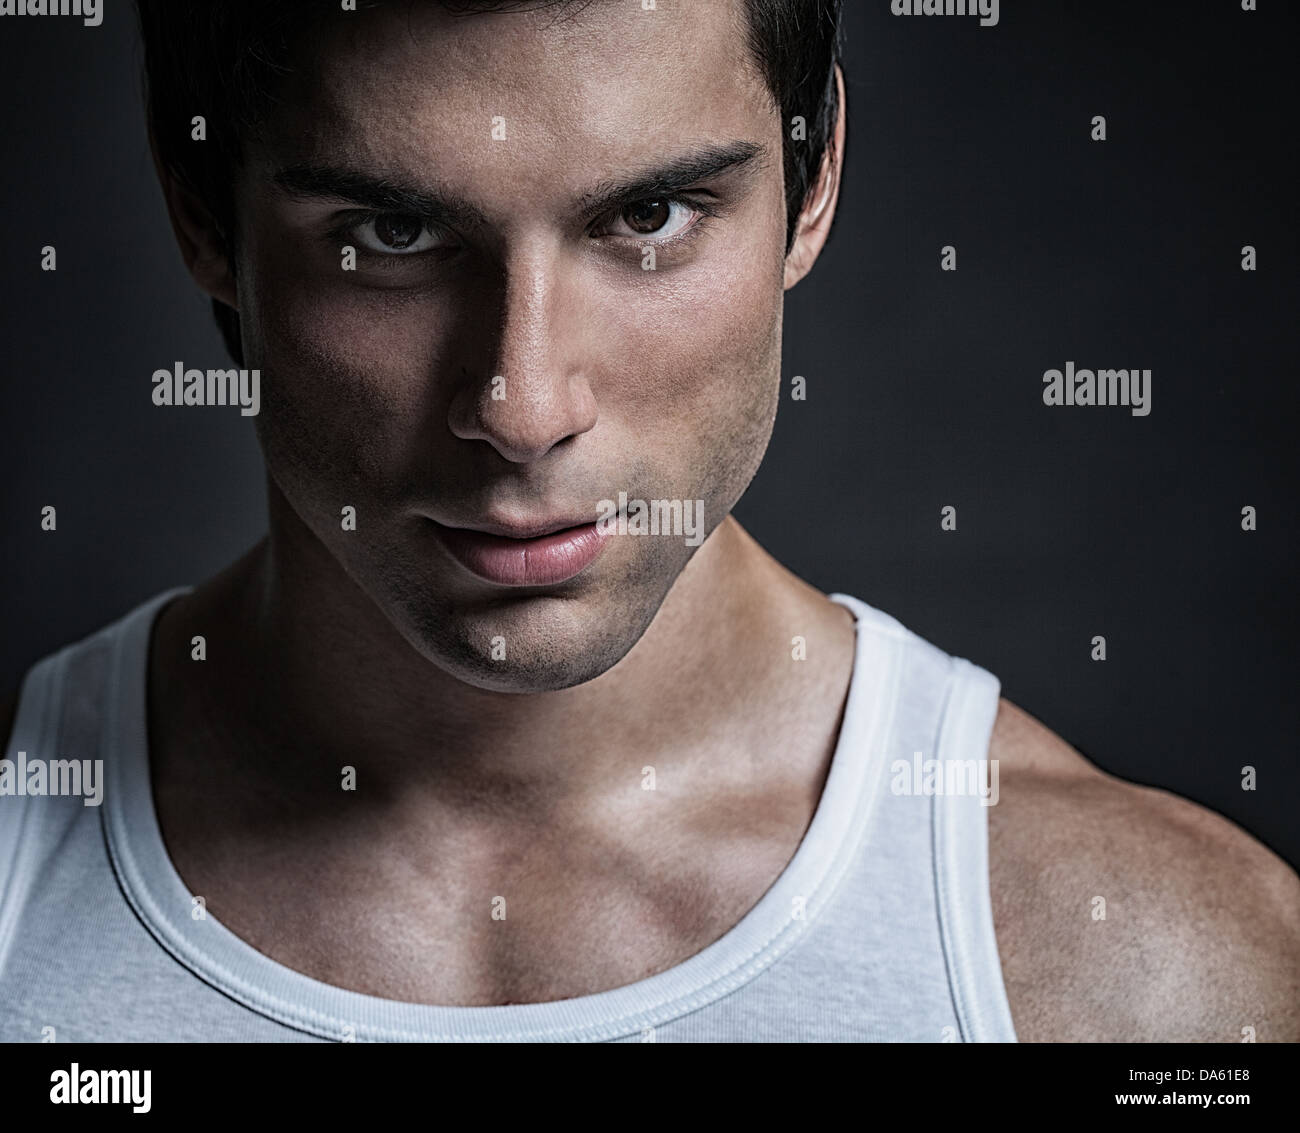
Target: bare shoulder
{"type": "Point", "coordinates": [1127, 914]}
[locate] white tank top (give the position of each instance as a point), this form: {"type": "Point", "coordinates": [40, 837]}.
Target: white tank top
{"type": "Point", "coordinates": [880, 928]}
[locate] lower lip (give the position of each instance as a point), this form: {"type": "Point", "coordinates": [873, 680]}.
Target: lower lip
{"type": "Point", "coordinates": [543, 561]}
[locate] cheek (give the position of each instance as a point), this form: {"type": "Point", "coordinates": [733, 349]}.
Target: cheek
{"type": "Point", "coordinates": [346, 392]}
{"type": "Point", "coordinates": [704, 347]}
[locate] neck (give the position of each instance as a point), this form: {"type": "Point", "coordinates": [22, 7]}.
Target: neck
{"type": "Point", "coordinates": [321, 679]}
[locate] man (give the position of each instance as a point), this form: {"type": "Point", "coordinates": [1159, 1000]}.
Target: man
{"type": "Point", "coordinates": [470, 749]}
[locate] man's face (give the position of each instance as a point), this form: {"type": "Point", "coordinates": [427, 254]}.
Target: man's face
{"type": "Point", "coordinates": [533, 143]}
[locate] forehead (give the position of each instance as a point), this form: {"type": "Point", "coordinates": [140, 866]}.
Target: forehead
{"type": "Point", "coordinates": [410, 85]}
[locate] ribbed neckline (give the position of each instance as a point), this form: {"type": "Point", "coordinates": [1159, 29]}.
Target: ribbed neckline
{"type": "Point", "coordinates": [213, 953]}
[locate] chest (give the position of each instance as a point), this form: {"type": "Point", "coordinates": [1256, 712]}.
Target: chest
{"type": "Point", "coordinates": [561, 918]}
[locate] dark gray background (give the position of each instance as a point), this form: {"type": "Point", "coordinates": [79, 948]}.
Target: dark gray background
{"type": "Point", "coordinates": [924, 387]}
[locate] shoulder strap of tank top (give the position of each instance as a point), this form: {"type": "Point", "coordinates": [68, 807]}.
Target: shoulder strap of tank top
{"type": "Point", "coordinates": [961, 864]}
{"type": "Point", "coordinates": [34, 734]}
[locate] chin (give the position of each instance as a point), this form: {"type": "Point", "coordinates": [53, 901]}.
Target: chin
{"type": "Point", "coordinates": [525, 675]}
{"type": "Point", "coordinates": [529, 645]}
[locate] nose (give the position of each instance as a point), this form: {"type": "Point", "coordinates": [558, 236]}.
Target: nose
{"type": "Point", "coordinates": [537, 394]}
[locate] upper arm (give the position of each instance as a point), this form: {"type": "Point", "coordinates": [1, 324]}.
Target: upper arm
{"type": "Point", "coordinates": [1125, 913]}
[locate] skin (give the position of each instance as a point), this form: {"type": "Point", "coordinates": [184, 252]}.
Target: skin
{"type": "Point", "coordinates": [522, 777]}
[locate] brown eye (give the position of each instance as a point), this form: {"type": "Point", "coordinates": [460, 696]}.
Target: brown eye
{"type": "Point", "coordinates": [646, 217]}
{"type": "Point", "coordinates": [397, 234]}
{"type": "Point", "coordinates": [396, 231]}
{"type": "Point", "coordinates": [655, 220]}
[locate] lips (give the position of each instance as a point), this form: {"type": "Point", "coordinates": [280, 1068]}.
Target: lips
{"type": "Point", "coordinates": [524, 555]}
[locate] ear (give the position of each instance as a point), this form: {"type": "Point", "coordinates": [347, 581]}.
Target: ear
{"type": "Point", "coordinates": [202, 247]}
{"type": "Point", "coordinates": [814, 224]}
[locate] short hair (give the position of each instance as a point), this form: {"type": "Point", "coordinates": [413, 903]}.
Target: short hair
{"type": "Point", "coordinates": [223, 59]}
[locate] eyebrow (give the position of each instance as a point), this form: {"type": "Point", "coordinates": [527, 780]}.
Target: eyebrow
{"type": "Point", "coordinates": [386, 193]}
{"type": "Point", "coordinates": [679, 174]}
{"type": "Point", "coordinates": [375, 191]}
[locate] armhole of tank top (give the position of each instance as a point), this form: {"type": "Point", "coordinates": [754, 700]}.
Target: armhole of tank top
{"type": "Point", "coordinates": [961, 867]}
{"type": "Point", "coordinates": [34, 731]}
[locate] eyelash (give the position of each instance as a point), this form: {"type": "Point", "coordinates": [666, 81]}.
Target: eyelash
{"type": "Point", "coordinates": [348, 223]}
{"type": "Point", "coordinates": [705, 209]}
{"type": "Point", "coordinates": [344, 230]}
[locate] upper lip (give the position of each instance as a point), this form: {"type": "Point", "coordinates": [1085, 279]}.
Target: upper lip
{"type": "Point", "coordinates": [530, 529]}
